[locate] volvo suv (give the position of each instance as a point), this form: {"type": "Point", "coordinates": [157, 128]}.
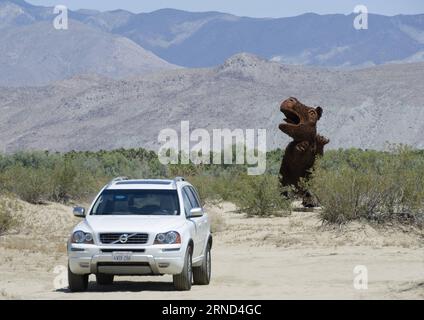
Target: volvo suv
{"type": "Point", "coordinates": [141, 227]}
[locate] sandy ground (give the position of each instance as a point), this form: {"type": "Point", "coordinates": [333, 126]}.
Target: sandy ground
{"type": "Point", "coordinates": [292, 257]}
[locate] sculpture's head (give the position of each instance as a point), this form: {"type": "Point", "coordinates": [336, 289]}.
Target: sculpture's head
{"type": "Point", "coordinates": [301, 121]}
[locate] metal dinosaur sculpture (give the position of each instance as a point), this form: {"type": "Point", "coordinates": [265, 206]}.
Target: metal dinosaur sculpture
{"type": "Point", "coordinates": [299, 156]}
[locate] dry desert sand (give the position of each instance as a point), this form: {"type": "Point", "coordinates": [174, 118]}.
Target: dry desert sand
{"type": "Point", "coordinates": [293, 257]}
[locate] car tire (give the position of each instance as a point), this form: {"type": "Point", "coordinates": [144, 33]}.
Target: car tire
{"type": "Point", "coordinates": [77, 282]}
{"type": "Point", "coordinates": [104, 279]}
{"type": "Point", "coordinates": [202, 274]}
{"type": "Point", "coordinates": [183, 281]}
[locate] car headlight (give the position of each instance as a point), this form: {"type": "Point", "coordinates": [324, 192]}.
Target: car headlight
{"type": "Point", "coordinates": [171, 237]}
{"type": "Point", "coordinates": [82, 237]}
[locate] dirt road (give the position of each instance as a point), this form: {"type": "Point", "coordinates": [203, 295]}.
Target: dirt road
{"type": "Point", "coordinates": [292, 257]}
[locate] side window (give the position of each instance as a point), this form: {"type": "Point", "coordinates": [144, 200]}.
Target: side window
{"type": "Point", "coordinates": [187, 203]}
{"type": "Point", "coordinates": [192, 198]}
{"type": "Point", "coordinates": [195, 197]}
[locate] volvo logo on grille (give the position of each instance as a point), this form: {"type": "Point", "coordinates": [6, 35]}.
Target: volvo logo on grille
{"type": "Point", "coordinates": [123, 238]}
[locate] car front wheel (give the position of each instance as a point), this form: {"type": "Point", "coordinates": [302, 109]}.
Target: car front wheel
{"type": "Point", "coordinates": [77, 282]}
{"type": "Point", "coordinates": [183, 281]}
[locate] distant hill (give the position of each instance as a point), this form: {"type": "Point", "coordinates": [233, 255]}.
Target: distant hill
{"type": "Point", "coordinates": [362, 108]}
{"type": "Point", "coordinates": [32, 52]}
{"type": "Point", "coordinates": [120, 43]}
{"type": "Point", "coordinates": [206, 39]}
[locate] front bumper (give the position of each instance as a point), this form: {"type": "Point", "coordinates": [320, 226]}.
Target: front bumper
{"type": "Point", "coordinates": [146, 260]}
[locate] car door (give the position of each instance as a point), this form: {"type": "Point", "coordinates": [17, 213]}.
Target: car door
{"type": "Point", "coordinates": [198, 248]}
{"type": "Point", "coordinates": [201, 221]}
{"type": "Point", "coordinates": [196, 223]}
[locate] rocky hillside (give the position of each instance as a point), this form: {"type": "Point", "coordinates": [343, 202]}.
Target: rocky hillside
{"type": "Point", "coordinates": [362, 108]}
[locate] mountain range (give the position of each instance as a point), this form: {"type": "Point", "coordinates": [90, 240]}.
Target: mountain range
{"type": "Point", "coordinates": [34, 53]}
{"type": "Point", "coordinates": [115, 79]}
{"type": "Point", "coordinates": [119, 43]}
{"type": "Point", "coordinates": [362, 108]}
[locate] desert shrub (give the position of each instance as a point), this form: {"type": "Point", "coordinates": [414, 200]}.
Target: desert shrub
{"type": "Point", "coordinates": [33, 159]}
{"type": "Point", "coordinates": [213, 188]}
{"type": "Point", "coordinates": [260, 196]}
{"type": "Point", "coordinates": [273, 161]}
{"type": "Point", "coordinates": [224, 186]}
{"type": "Point", "coordinates": [182, 170]}
{"type": "Point", "coordinates": [370, 185]}
{"type": "Point", "coordinates": [8, 214]}
{"type": "Point", "coordinates": [203, 185]}
{"type": "Point", "coordinates": [63, 181]}
{"type": "Point", "coordinates": [69, 179]}
{"type": "Point", "coordinates": [29, 184]}
{"type": "Point", "coordinates": [60, 183]}
{"type": "Point", "coordinates": [253, 195]}
{"type": "Point", "coordinates": [350, 184]}
{"type": "Point", "coordinates": [43, 176]}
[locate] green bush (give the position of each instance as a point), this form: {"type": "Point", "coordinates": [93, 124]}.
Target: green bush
{"type": "Point", "coordinates": [260, 196]}
{"type": "Point", "coordinates": [370, 185]}
{"type": "Point", "coordinates": [350, 184]}
{"type": "Point", "coordinates": [42, 176]}
{"type": "Point", "coordinates": [70, 180]}
{"type": "Point", "coordinates": [214, 188]}
{"type": "Point", "coordinates": [29, 184]}
{"type": "Point", "coordinates": [8, 217]}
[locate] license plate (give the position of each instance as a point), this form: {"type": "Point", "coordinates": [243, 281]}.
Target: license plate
{"type": "Point", "coordinates": [121, 256]}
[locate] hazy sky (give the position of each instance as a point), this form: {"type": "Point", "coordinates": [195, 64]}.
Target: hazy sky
{"type": "Point", "coordinates": [252, 8]}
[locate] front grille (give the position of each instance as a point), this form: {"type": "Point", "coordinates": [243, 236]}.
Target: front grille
{"type": "Point", "coordinates": [132, 238]}
{"type": "Point", "coordinates": [115, 264]}
{"type": "Point", "coordinates": [122, 250]}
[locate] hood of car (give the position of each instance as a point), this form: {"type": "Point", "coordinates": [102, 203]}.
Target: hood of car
{"type": "Point", "coordinates": [133, 223]}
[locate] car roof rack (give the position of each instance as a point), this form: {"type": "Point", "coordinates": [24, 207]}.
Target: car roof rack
{"type": "Point", "coordinates": [177, 179]}
{"type": "Point", "coordinates": [117, 179]}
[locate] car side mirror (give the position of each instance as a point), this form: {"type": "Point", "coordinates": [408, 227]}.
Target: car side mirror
{"type": "Point", "coordinates": [196, 212]}
{"type": "Point", "coordinates": [79, 212]}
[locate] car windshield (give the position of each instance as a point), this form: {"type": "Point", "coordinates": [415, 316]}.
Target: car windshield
{"type": "Point", "coordinates": [137, 202]}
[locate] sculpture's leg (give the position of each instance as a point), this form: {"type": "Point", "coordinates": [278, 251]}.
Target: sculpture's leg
{"type": "Point", "coordinates": [291, 169]}
{"type": "Point", "coordinates": [309, 200]}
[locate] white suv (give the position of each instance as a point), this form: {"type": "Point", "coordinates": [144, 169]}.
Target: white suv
{"type": "Point", "coordinates": [142, 227]}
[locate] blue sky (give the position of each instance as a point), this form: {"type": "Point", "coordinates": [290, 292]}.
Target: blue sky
{"type": "Point", "coordinates": [252, 8]}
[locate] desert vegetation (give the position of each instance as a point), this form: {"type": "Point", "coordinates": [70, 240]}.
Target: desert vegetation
{"type": "Point", "coordinates": [8, 217]}
{"type": "Point", "coordinates": [350, 184]}
{"type": "Point", "coordinates": [375, 186]}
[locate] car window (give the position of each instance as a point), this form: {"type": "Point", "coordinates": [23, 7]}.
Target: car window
{"type": "Point", "coordinates": [187, 203]}
{"type": "Point", "coordinates": [193, 201]}
{"type": "Point", "coordinates": [196, 193]}
{"type": "Point", "coordinates": [194, 197]}
{"type": "Point", "coordinates": [137, 202]}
